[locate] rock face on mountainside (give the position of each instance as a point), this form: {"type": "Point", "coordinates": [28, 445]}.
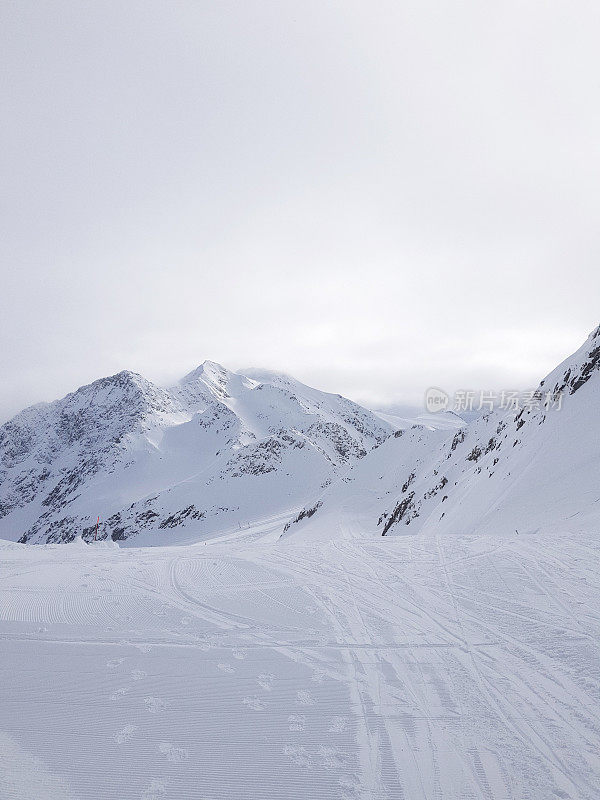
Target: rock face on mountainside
{"type": "Point", "coordinates": [520, 471]}
{"type": "Point", "coordinates": [219, 448]}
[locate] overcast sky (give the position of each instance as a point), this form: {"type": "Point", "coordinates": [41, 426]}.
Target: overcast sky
{"type": "Point", "coordinates": [373, 196]}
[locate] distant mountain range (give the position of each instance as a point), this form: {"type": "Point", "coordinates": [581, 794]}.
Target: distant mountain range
{"type": "Point", "coordinates": [221, 450]}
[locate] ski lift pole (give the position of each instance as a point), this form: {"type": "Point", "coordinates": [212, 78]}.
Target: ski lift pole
{"type": "Point", "coordinates": [96, 531]}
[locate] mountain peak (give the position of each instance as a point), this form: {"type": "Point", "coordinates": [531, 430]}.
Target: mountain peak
{"type": "Point", "coordinates": [123, 378]}
{"type": "Point", "coordinates": [210, 370]}
{"type": "Point", "coordinates": [124, 385]}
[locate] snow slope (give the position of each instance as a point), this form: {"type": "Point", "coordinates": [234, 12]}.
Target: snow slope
{"type": "Point", "coordinates": [526, 471]}
{"type": "Point", "coordinates": [444, 420]}
{"type": "Point", "coordinates": [350, 506]}
{"type": "Point", "coordinates": [218, 449]}
{"type": "Point", "coordinates": [396, 668]}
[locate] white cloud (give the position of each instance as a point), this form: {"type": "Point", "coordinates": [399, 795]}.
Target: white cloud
{"type": "Point", "coordinates": [375, 197]}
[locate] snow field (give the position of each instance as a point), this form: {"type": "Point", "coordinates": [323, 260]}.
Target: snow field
{"type": "Point", "coordinates": [417, 668]}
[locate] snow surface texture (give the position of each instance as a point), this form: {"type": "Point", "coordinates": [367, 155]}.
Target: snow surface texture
{"type": "Point", "coordinates": [537, 469]}
{"type": "Point", "coordinates": [254, 667]}
{"type": "Point", "coordinates": [165, 466]}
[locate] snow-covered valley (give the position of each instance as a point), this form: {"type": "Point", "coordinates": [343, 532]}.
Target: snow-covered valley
{"type": "Point", "coordinates": [526, 470]}
{"type": "Point", "coordinates": [408, 667]}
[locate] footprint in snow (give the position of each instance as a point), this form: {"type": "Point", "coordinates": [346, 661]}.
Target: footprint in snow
{"type": "Point", "coordinates": [138, 674]}
{"type": "Point", "coordinates": [154, 704]}
{"type": "Point", "coordinates": [253, 702]}
{"type": "Point", "coordinates": [296, 722]}
{"type": "Point", "coordinates": [318, 676]}
{"type": "Point", "coordinates": [114, 662]}
{"type": "Point", "coordinates": [226, 668]}
{"type": "Point", "coordinates": [304, 698]}
{"type": "Point", "coordinates": [350, 789]}
{"type": "Point", "coordinates": [155, 791]}
{"type": "Point", "coordinates": [239, 653]}
{"type": "Point", "coordinates": [265, 681]}
{"type": "Point", "coordinates": [331, 757]}
{"type": "Point", "coordinates": [338, 725]}
{"type": "Point", "coordinates": [172, 753]}
{"type": "Point", "coordinates": [126, 734]}
{"type": "Point", "coordinates": [298, 755]}
{"type": "Point", "coordinates": [119, 693]}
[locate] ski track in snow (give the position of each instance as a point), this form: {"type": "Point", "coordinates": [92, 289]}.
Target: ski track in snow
{"type": "Point", "coordinates": [411, 668]}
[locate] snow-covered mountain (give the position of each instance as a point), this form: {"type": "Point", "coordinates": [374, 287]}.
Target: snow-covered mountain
{"type": "Point", "coordinates": [447, 420]}
{"type": "Point", "coordinates": [222, 449]}
{"type": "Point", "coordinates": [403, 417]}
{"type": "Point", "coordinates": [535, 469]}
{"type": "Point", "coordinates": [218, 449]}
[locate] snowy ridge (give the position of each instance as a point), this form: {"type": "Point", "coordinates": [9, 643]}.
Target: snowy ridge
{"type": "Point", "coordinates": [528, 470]}
{"type": "Point", "coordinates": [218, 449]}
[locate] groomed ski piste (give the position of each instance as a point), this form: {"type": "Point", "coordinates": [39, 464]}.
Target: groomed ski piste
{"type": "Point", "coordinates": [260, 666]}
